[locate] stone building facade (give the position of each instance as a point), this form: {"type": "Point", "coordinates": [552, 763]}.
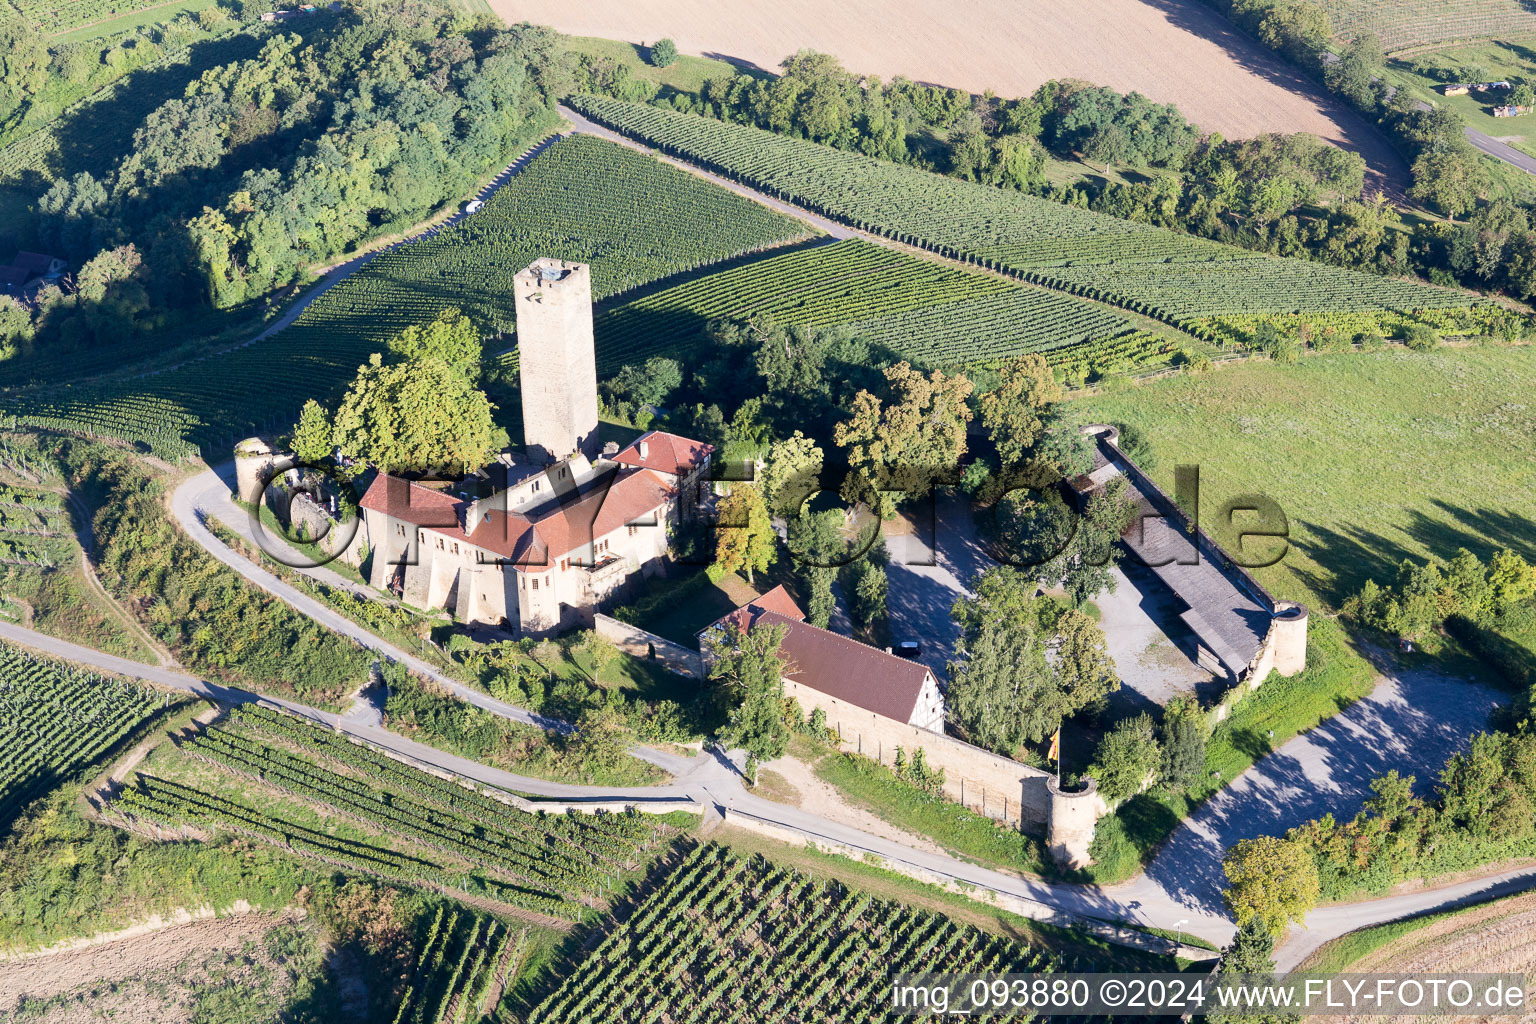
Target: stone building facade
{"type": "Point", "coordinates": [543, 554]}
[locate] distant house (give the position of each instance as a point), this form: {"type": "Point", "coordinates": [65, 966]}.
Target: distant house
{"type": "Point", "coordinates": [29, 268]}
{"type": "Point", "coordinates": [850, 681]}
{"type": "Point", "coordinates": [1510, 111]}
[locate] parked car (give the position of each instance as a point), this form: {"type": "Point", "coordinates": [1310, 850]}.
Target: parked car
{"type": "Point", "coordinates": [907, 649]}
{"type": "Point", "coordinates": [473, 206]}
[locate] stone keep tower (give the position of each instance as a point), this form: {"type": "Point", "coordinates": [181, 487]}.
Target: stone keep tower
{"type": "Point", "coordinates": [556, 359]}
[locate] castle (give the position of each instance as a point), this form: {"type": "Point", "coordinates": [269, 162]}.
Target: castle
{"type": "Point", "coordinates": [539, 544]}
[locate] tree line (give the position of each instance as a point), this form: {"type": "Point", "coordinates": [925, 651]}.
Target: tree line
{"type": "Point", "coordinates": [351, 125]}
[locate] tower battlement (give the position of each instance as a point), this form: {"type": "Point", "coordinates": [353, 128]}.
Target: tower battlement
{"type": "Point", "coordinates": [557, 361]}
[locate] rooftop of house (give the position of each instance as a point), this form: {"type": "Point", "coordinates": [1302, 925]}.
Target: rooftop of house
{"type": "Point", "coordinates": [776, 600]}
{"type": "Point", "coordinates": [841, 667]}
{"type": "Point", "coordinates": [1228, 612]}
{"type": "Point", "coordinates": [36, 263]}
{"type": "Point", "coordinates": [833, 664]}
{"type": "Point", "coordinates": [600, 504]}
{"type": "Point", "coordinates": [665, 453]}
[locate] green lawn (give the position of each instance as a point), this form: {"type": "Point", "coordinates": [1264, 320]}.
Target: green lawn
{"type": "Point", "coordinates": [966, 834]}
{"type": "Point", "coordinates": [687, 75]}
{"type": "Point", "coordinates": [1513, 60]}
{"type": "Point", "coordinates": [677, 609]}
{"type": "Point", "coordinates": [1374, 457]}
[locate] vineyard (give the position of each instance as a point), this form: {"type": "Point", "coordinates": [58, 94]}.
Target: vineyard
{"type": "Point", "coordinates": [56, 720]}
{"type": "Point", "coordinates": [1405, 23]}
{"type": "Point", "coordinates": [406, 825]}
{"type": "Point", "coordinates": [731, 940]}
{"type": "Point", "coordinates": [463, 959]}
{"type": "Point", "coordinates": [930, 313]}
{"type": "Point", "coordinates": [34, 528]}
{"type": "Point", "coordinates": [1178, 278]}
{"type": "Point", "coordinates": [633, 218]}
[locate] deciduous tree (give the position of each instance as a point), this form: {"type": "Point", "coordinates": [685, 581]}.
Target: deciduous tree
{"type": "Point", "coordinates": [746, 541]}
{"type": "Point", "coordinates": [910, 441]}
{"type": "Point", "coordinates": [417, 416]}
{"type": "Point", "coordinates": [1272, 881]}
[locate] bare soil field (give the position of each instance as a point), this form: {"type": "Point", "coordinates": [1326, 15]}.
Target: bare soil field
{"type": "Point", "coordinates": [1174, 51]}
{"type": "Point", "coordinates": [141, 977]}
{"type": "Point", "coordinates": [1497, 938]}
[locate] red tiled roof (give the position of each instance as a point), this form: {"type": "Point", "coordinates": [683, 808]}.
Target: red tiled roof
{"type": "Point", "coordinates": [627, 497]}
{"type": "Point", "coordinates": [403, 499]}
{"type": "Point", "coordinates": [776, 600]}
{"type": "Point", "coordinates": [665, 453]}
{"type": "Point", "coordinates": [34, 263]}
{"type": "Point", "coordinates": [843, 668]}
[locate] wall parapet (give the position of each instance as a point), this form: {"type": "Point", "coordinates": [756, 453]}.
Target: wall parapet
{"type": "Point", "coordinates": [638, 643]}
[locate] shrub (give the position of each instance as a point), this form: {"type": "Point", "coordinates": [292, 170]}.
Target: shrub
{"type": "Point", "coordinates": [1127, 756]}
{"type": "Point", "coordinates": [1421, 337]}
{"type": "Point", "coordinates": [663, 53]}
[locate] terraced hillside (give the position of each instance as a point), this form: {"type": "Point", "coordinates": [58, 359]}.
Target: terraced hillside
{"type": "Point", "coordinates": [1404, 23]}
{"type": "Point", "coordinates": [718, 939]}
{"type": "Point", "coordinates": [925, 311]}
{"type": "Point", "coordinates": [633, 218]}
{"type": "Point", "coordinates": [56, 719]}
{"type": "Point", "coordinates": [263, 774]}
{"type": "Point", "coordinates": [1198, 285]}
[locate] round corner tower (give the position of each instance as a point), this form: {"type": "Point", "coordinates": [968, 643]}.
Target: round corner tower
{"type": "Point", "coordinates": [1071, 822]}
{"type": "Point", "coordinates": [1290, 637]}
{"type": "Point", "coordinates": [557, 362]}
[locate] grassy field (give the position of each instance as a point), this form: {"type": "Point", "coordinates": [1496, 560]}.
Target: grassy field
{"type": "Point", "coordinates": [1374, 457]}
{"type": "Point", "coordinates": [1426, 72]}
{"type": "Point", "coordinates": [102, 27]}
{"type": "Point", "coordinates": [688, 74]}
{"type": "Point", "coordinates": [964, 833]}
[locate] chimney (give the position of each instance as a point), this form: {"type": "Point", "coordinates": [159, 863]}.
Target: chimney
{"type": "Point", "coordinates": [645, 450]}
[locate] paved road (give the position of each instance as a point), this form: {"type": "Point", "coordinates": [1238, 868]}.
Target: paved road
{"type": "Point", "coordinates": [1412, 721]}
{"type": "Point", "coordinates": [1499, 151]}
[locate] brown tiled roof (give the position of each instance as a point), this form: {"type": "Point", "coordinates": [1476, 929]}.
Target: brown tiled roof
{"type": "Point", "coordinates": [665, 453]}
{"type": "Point", "coordinates": [841, 667]}
{"type": "Point", "coordinates": [532, 543]}
{"type": "Point", "coordinates": [403, 499]}
{"type": "Point", "coordinates": [776, 600]}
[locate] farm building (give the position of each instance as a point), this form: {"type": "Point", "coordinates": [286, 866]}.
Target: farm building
{"type": "Point", "coordinates": [1242, 631]}
{"type": "Point", "coordinates": [30, 268]}
{"type": "Point", "coordinates": [840, 675]}
{"type": "Point", "coordinates": [1510, 110]}
{"type": "Point", "coordinates": [1457, 89]}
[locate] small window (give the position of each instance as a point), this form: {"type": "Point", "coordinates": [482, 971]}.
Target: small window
{"type": "Point", "coordinates": [535, 485]}
{"type": "Point", "coordinates": [633, 530]}
{"type": "Point", "coordinates": [546, 581]}
{"type": "Point", "coordinates": [562, 472]}
{"type": "Point", "coordinates": [401, 528]}
{"type": "Point", "coordinates": [455, 547]}
{"type": "Point", "coordinates": [535, 583]}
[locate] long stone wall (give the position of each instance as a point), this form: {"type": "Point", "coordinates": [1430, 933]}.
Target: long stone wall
{"type": "Point", "coordinates": [977, 779]}
{"type": "Point", "coordinates": [634, 641]}
{"type": "Point", "coordinates": [1007, 901]}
